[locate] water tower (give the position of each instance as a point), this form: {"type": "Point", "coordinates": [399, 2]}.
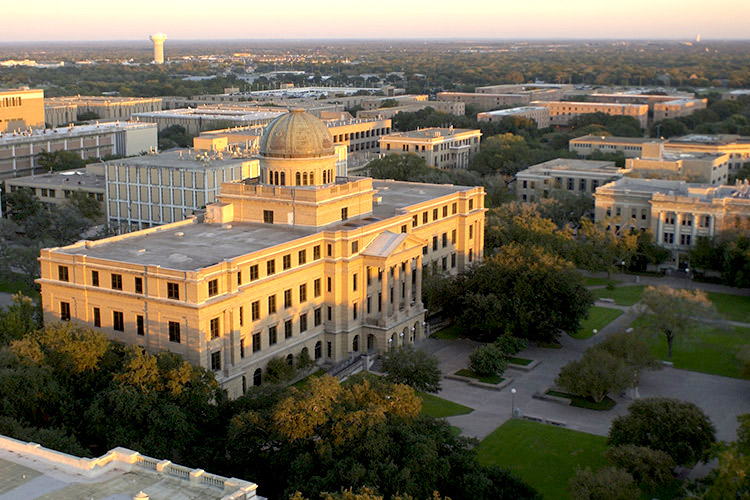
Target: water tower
{"type": "Point", "coordinates": [158, 40]}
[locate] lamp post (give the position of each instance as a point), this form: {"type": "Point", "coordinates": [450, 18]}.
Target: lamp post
{"type": "Point", "coordinates": [512, 402]}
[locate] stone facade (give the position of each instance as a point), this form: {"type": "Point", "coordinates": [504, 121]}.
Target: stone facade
{"type": "Point", "coordinates": [440, 147]}
{"type": "Point", "coordinates": [21, 109]}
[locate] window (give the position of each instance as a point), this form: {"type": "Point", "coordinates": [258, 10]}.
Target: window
{"type": "Point", "coordinates": [414, 221]}
{"type": "Point", "coordinates": [445, 211]}
{"type": "Point", "coordinates": [213, 328]}
{"type": "Point", "coordinates": [328, 284]}
{"type": "Point", "coordinates": [354, 282]}
{"type": "Point", "coordinates": [272, 304]}
{"type": "Point", "coordinates": [329, 349]}
{"type": "Point", "coordinates": [425, 218]}
{"type": "Point", "coordinates": [344, 213]}
{"type": "Point", "coordinates": [471, 231]}
{"type": "Point", "coordinates": [316, 252]}
{"type": "Point", "coordinates": [255, 310]}
{"type": "Point", "coordinates": [318, 314]}
{"type": "Point", "coordinates": [434, 214]}
{"type": "Point", "coordinates": [329, 249]}
{"type": "Point", "coordinates": [268, 216]}
{"type": "Point", "coordinates": [445, 263]}
{"type": "Point", "coordinates": [257, 377]}
{"type": "Point", "coordinates": [138, 285]}
{"type": "Point", "coordinates": [355, 310]}
{"type": "Point", "coordinates": [140, 328]}
{"type": "Point", "coordinates": [62, 273]}
{"type": "Point", "coordinates": [213, 288]}
{"type": "Point", "coordinates": [471, 204]}
{"type": "Point", "coordinates": [445, 240]}
{"type": "Point", "coordinates": [117, 282]}
{"type": "Point", "coordinates": [173, 291]}
{"type": "Point", "coordinates": [318, 350]}
{"type": "Point", "coordinates": [355, 247]}
{"type": "Point", "coordinates": [271, 267]}
{"type": "Point", "coordinates": [434, 243]}
{"type": "Point", "coordinates": [471, 255]}
{"type": "Point", "coordinates": [97, 317]}
{"type": "Point", "coordinates": [424, 250]}
{"type": "Point", "coordinates": [242, 316]}
{"type": "Point", "coordinates": [403, 228]}
{"type": "Point", "coordinates": [571, 184]}
{"type": "Point", "coordinates": [239, 278]}
{"type": "Point", "coordinates": [174, 331]}
{"type": "Point", "coordinates": [95, 278]}
{"type": "Point", "coordinates": [453, 236]}
{"type": "Point", "coordinates": [65, 311]}
{"type": "Point", "coordinates": [272, 335]}
{"type": "Point", "coordinates": [303, 322]}
{"type": "Point", "coordinates": [216, 361]}
{"type": "Point", "coordinates": [118, 323]}
{"type": "Point", "coordinates": [288, 329]}
{"type": "Point", "coordinates": [330, 313]}
{"type": "Point", "coordinates": [303, 292]}
{"type": "Point", "coordinates": [286, 261]}
{"type": "Point", "coordinates": [288, 298]}
{"type": "Point", "coordinates": [256, 342]}
{"type": "Point", "coordinates": [242, 347]}
{"type": "Point", "coordinates": [254, 272]}
{"type": "Point", "coordinates": [454, 208]}
{"type": "Point", "coordinates": [302, 257]}
{"type": "Point", "coordinates": [316, 287]}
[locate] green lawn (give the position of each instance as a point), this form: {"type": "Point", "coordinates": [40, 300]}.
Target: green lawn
{"type": "Point", "coordinates": [450, 333]}
{"type": "Point", "coordinates": [588, 281]}
{"type": "Point", "coordinates": [439, 408]}
{"type": "Point", "coordinates": [733, 307]}
{"type": "Point", "coordinates": [492, 379]}
{"type": "Point", "coordinates": [598, 318]}
{"type": "Point", "coordinates": [544, 455]}
{"type": "Point", "coordinates": [520, 361]}
{"type": "Point", "coordinates": [14, 283]}
{"type": "Point", "coordinates": [623, 295]}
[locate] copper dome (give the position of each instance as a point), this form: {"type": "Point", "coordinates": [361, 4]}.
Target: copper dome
{"type": "Point", "coordinates": [296, 134]}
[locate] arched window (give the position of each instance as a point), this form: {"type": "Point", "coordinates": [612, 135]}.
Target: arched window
{"type": "Point", "coordinates": [299, 179]}
{"type": "Point", "coordinates": [283, 179]}
{"type": "Point", "coordinates": [355, 344]}
{"type": "Point", "coordinates": [324, 177]}
{"type": "Point", "coordinates": [276, 178]}
{"type": "Point", "coordinates": [318, 350]}
{"type": "Point", "coordinates": [258, 377]}
{"type": "Point", "coordinates": [370, 342]}
{"type": "Point", "coordinates": [312, 178]}
{"type": "Point", "coordinates": [290, 360]}
{"type": "Point", "coordinates": [304, 179]}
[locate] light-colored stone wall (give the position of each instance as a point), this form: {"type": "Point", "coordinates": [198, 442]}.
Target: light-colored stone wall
{"type": "Point", "coordinates": [21, 109]}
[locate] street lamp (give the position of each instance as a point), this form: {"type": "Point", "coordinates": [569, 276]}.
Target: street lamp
{"type": "Point", "coordinates": [512, 402]}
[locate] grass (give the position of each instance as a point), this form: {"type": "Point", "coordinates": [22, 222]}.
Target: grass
{"type": "Point", "coordinates": [492, 379]}
{"type": "Point", "coordinates": [437, 407]}
{"type": "Point", "coordinates": [543, 455]}
{"type": "Point", "coordinates": [598, 318]}
{"type": "Point", "coordinates": [14, 283]}
{"type": "Point", "coordinates": [450, 333]}
{"type": "Point", "coordinates": [520, 361]}
{"type": "Point", "coordinates": [623, 295]}
{"type": "Point", "coordinates": [733, 307]}
{"type": "Point", "coordinates": [589, 281]}
{"type": "Point", "coordinates": [575, 400]}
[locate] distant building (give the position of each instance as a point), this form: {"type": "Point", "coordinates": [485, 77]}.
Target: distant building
{"type": "Point", "coordinates": [21, 109]}
{"type": "Point", "coordinates": [705, 168]}
{"type": "Point", "coordinates": [539, 114]}
{"type": "Point", "coordinates": [62, 111]}
{"type": "Point", "coordinates": [451, 107]}
{"type": "Point", "coordinates": [196, 120]}
{"type": "Point", "coordinates": [630, 147]}
{"type": "Point", "coordinates": [734, 95]}
{"type": "Point", "coordinates": [18, 151]}
{"type": "Point", "coordinates": [677, 108]}
{"type": "Point", "coordinates": [496, 96]}
{"type": "Point", "coordinates": [737, 147]}
{"type": "Point", "coordinates": [677, 213]}
{"type": "Point", "coordinates": [561, 112]}
{"type": "Point", "coordinates": [357, 134]}
{"type": "Point", "coordinates": [235, 101]}
{"type": "Point", "coordinates": [440, 147]}
{"type": "Point", "coordinates": [537, 91]}
{"type": "Point", "coordinates": [576, 176]}
{"type": "Point", "coordinates": [33, 472]}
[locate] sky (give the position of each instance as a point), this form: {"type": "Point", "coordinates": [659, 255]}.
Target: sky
{"type": "Point", "coordinates": [62, 20]}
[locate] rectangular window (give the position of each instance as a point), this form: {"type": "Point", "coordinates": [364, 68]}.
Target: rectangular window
{"type": "Point", "coordinates": [355, 310]}
{"type": "Point", "coordinates": [425, 218]}
{"type": "Point", "coordinates": [424, 250]}
{"type": "Point", "coordinates": [138, 285]}
{"type": "Point", "coordinates": [316, 287]}
{"type": "Point", "coordinates": [216, 361]}
{"type": "Point", "coordinates": [65, 311]}
{"type": "Point", "coordinates": [302, 257]}
{"type": "Point", "coordinates": [471, 204]}
{"type": "Point", "coordinates": [434, 243]}
{"type": "Point", "coordinates": [454, 208]}
{"type": "Point", "coordinates": [255, 310]}
{"type": "Point", "coordinates": [355, 247]}
{"type": "Point", "coordinates": [214, 328]}
{"type": "Point", "coordinates": [453, 260]}
{"type": "Point", "coordinates": [369, 304]}
{"type": "Point", "coordinates": [330, 313]}
{"type": "Point", "coordinates": [268, 216]}
{"type": "Point", "coordinates": [303, 292]}
{"type": "Point", "coordinates": [471, 231]}
{"type": "Point", "coordinates": [445, 263]}
{"type": "Point", "coordinates": [329, 249]}
{"type": "Point", "coordinates": [242, 316]}
{"type": "Point", "coordinates": [254, 272]}
{"type": "Point", "coordinates": [453, 236]}
{"type": "Point", "coordinates": [118, 323]}
{"type": "Point", "coordinates": [318, 317]}
{"type": "Point", "coordinates": [445, 211]}
{"type": "Point", "coordinates": [329, 349]}
{"type": "Point", "coordinates": [303, 322]}
{"type": "Point", "coordinates": [173, 291]}
{"type": "Point", "coordinates": [213, 288]}
{"type": "Point", "coordinates": [445, 240]}
{"type": "Point", "coordinates": [95, 278]}
{"type": "Point", "coordinates": [471, 255]}
{"type": "Point", "coordinates": [316, 252]}
{"type": "Point", "coordinates": [328, 282]}
{"type": "Point", "coordinates": [354, 282]}
{"type": "Point", "coordinates": [414, 220]}
{"type": "Point", "coordinates": [140, 327]}
{"type": "Point", "coordinates": [239, 278]}
{"type": "Point", "coordinates": [272, 335]}
{"type": "Point", "coordinates": [242, 348]}
{"type": "Point", "coordinates": [271, 267]}
{"type": "Point", "coordinates": [286, 261]}
{"type": "Point", "coordinates": [62, 273]}
{"type": "Point", "coordinates": [256, 342]}
{"type": "Point", "coordinates": [174, 331]}
{"type": "Point", "coordinates": [116, 281]}
{"type": "Point", "coordinates": [434, 214]}
{"type": "Point", "coordinates": [288, 329]}
{"type": "Point", "coordinates": [272, 304]}
{"type": "Point", "coordinates": [288, 298]}
{"type": "Point", "coordinates": [344, 213]}
{"type": "Point", "coordinates": [97, 317]}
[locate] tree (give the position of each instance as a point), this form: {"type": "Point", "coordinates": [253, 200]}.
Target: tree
{"type": "Point", "coordinates": [632, 350]}
{"type": "Point", "coordinates": [86, 205]}
{"type": "Point", "coordinates": [505, 154]}
{"type": "Point", "coordinates": [595, 375]}
{"type": "Point", "coordinates": [599, 248]}
{"type": "Point", "coordinates": [731, 477]}
{"type": "Point", "coordinates": [20, 318]}
{"type": "Point", "coordinates": [488, 360]}
{"type": "Point", "coordinates": [278, 370]}
{"type": "Point", "coordinates": [412, 367]}
{"type": "Point", "coordinates": [608, 483]}
{"type": "Point", "coordinates": [679, 428]}
{"type": "Point", "coordinates": [673, 312]}
{"type": "Point", "coordinates": [648, 467]}
{"type": "Point", "coordinates": [60, 160]}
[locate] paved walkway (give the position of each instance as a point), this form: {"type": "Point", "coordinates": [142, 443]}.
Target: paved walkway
{"type": "Point", "coordinates": [6, 299]}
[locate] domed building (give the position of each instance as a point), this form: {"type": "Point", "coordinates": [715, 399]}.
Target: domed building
{"type": "Point", "coordinates": [300, 261]}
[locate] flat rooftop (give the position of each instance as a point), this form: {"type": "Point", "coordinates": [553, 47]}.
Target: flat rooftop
{"type": "Point", "coordinates": [605, 139]}
{"type": "Point", "coordinates": [38, 135]}
{"type": "Point", "coordinates": [563, 164]}
{"type": "Point", "coordinates": [191, 247]}
{"type": "Point", "coordinates": [702, 192]}
{"type": "Point", "coordinates": [513, 111]}
{"type": "Point", "coordinates": [431, 133]}
{"type": "Point", "coordinates": [98, 99]}
{"type": "Point", "coordinates": [186, 159]}
{"type": "Point", "coordinates": [713, 140]}
{"type": "Point", "coordinates": [215, 113]}
{"type": "Point", "coordinates": [68, 178]}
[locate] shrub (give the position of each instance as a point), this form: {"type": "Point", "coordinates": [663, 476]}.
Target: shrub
{"type": "Point", "coordinates": [488, 360]}
{"type": "Point", "coordinates": [648, 467]}
{"type": "Point", "coordinates": [304, 360]}
{"type": "Point", "coordinates": [511, 345]}
{"type": "Point", "coordinates": [410, 366]}
{"type": "Point", "coordinates": [595, 375]}
{"type": "Point", "coordinates": [278, 370]}
{"type": "Point", "coordinates": [609, 483]}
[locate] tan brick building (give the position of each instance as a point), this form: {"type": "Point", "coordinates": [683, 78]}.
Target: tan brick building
{"type": "Point", "coordinates": [581, 177]}
{"type": "Point", "coordinates": [539, 114]}
{"type": "Point", "coordinates": [62, 111]}
{"type": "Point", "coordinates": [296, 259]}
{"type": "Point", "coordinates": [440, 147]}
{"type": "Point", "coordinates": [21, 109]}
{"type": "Point", "coordinates": [561, 112]}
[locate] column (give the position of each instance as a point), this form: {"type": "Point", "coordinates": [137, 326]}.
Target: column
{"type": "Point", "coordinates": [396, 287]}
{"type": "Point", "coordinates": [711, 225]}
{"type": "Point", "coordinates": [384, 295]}
{"type": "Point", "coordinates": [677, 227]}
{"type": "Point", "coordinates": [694, 227]}
{"type": "Point", "coordinates": [419, 279]}
{"type": "Point", "coordinates": [660, 228]}
{"type": "Point", "coordinates": [408, 279]}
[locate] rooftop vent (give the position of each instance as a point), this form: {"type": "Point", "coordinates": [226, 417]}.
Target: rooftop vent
{"type": "Point", "coordinates": [179, 234]}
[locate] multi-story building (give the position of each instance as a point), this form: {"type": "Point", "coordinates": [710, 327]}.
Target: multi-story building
{"type": "Point", "coordinates": [440, 147]}
{"type": "Point", "coordinates": [677, 107]}
{"type": "Point", "coordinates": [155, 189]}
{"type": "Point", "coordinates": [61, 111]}
{"type": "Point", "coordinates": [357, 134]}
{"type": "Point", "coordinates": [539, 114]}
{"type": "Point", "coordinates": [56, 187]}
{"type": "Point", "coordinates": [737, 147]}
{"type": "Point", "coordinates": [19, 151]}
{"type": "Point", "coordinates": [536, 91]}
{"type": "Point", "coordinates": [561, 112]}
{"type": "Point", "coordinates": [483, 102]}
{"type": "Point", "coordinates": [576, 176]}
{"type": "Point", "coordinates": [693, 167]}
{"type": "Point", "coordinates": [327, 265]}
{"type": "Point", "coordinates": [451, 107]}
{"type": "Point", "coordinates": [630, 147]}
{"type": "Point", "coordinates": [21, 109]}
{"type": "Point", "coordinates": [651, 100]}
{"type": "Point", "coordinates": [196, 120]}
{"type": "Point", "coordinates": [735, 95]}
{"type": "Point", "coordinates": [677, 213]}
